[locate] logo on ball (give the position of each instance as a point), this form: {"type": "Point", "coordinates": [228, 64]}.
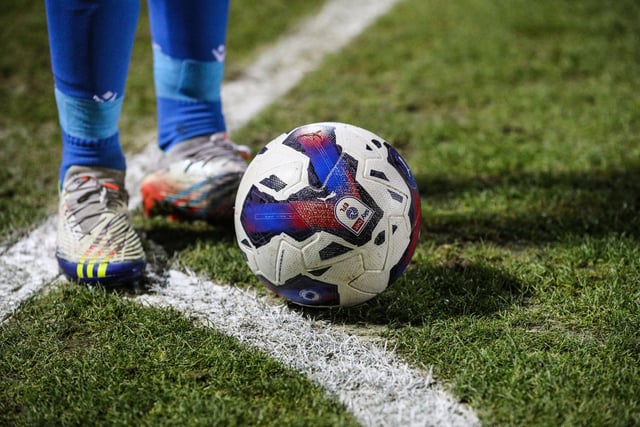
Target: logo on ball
{"type": "Point", "coordinates": [352, 213]}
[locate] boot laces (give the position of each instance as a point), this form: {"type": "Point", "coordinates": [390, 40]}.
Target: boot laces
{"type": "Point", "coordinates": [217, 146]}
{"type": "Point", "coordinates": [90, 198]}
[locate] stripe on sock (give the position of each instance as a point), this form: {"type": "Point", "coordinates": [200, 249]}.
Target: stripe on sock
{"type": "Point", "coordinates": [187, 79]}
{"type": "Point", "coordinates": [88, 119]}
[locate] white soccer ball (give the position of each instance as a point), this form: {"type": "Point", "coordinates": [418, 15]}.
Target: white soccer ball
{"type": "Point", "coordinates": [327, 214]}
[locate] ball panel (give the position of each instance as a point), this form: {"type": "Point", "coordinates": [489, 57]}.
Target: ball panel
{"type": "Point", "coordinates": [371, 282]}
{"type": "Point", "coordinates": [350, 296]}
{"type": "Point", "coordinates": [282, 180]}
{"type": "Point", "coordinates": [341, 270]}
{"type": "Point", "coordinates": [319, 144]}
{"type": "Point", "coordinates": [288, 262]}
{"type": "Point", "coordinates": [414, 214]}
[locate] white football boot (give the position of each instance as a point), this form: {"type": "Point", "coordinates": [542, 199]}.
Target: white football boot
{"type": "Point", "coordinates": [95, 241]}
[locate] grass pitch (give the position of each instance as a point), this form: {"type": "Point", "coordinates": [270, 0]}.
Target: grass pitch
{"type": "Point", "coordinates": [520, 121]}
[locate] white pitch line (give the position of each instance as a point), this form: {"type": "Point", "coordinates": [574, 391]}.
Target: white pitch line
{"type": "Point", "coordinates": [377, 387]}
{"type": "Point", "coordinates": [373, 384]}
{"type": "Point", "coordinates": [27, 266]}
{"type": "Point", "coordinates": [281, 67]}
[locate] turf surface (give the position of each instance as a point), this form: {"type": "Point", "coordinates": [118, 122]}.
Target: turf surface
{"type": "Point", "coordinates": [520, 121]}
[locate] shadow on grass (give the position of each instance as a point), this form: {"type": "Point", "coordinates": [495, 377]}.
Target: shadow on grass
{"type": "Point", "coordinates": [163, 240]}
{"type": "Point", "coordinates": [173, 238]}
{"type": "Point", "coordinates": [427, 293]}
{"type": "Point", "coordinates": [546, 207]}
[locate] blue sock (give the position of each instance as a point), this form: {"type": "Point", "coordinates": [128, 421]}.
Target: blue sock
{"type": "Point", "coordinates": [90, 43]}
{"type": "Point", "coordinates": [189, 47]}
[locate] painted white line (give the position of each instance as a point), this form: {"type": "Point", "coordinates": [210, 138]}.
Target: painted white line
{"type": "Point", "coordinates": [282, 67]}
{"type": "Point", "coordinates": [27, 266]}
{"type": "Point", "coordinates": [375, 385]}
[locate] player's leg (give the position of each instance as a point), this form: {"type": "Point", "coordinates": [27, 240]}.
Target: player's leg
{"type": "Point", "coordinates": [90, 43]}
{"type": "Point", "coordinates": [203, 166]}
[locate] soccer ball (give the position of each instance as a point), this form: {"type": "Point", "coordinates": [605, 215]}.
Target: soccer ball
{"type": "Point", "coordinates": [327, 215]}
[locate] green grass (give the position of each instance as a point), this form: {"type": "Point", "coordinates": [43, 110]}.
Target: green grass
{"type": "Point", "coordinates": [521, 122]}
{"type": "Point", "coordinates": [82, 356]}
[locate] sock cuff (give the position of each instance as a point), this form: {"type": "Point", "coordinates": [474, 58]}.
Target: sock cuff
{"type": "Point", "coordinates": [187, 79]}
{"type": "Point", "coordinates": [88, 119]}
{"type": "Point", "coordinates": [106, 153]}
{"type": "Point", "coordinates": [181, 120]}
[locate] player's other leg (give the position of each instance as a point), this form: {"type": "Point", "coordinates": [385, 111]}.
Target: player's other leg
{"type": "Point", "coordinates": [202, 167]}
{"type": "Point", "coordinates": [90, 43]}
